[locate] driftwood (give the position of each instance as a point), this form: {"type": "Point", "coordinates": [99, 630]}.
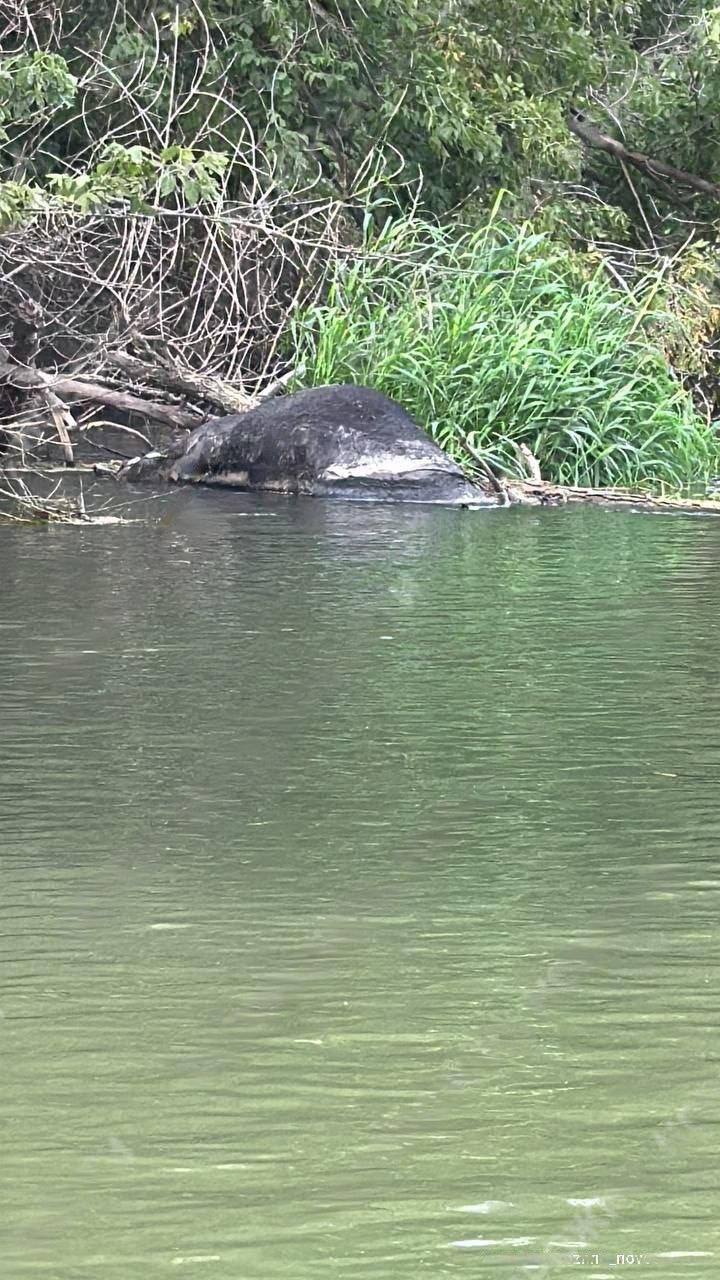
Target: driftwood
{"type": "Point", "coordinates": [534, 491]}
{"type": "Point", "coordinates": [26, 507]}
{"type": "Point", "coordinates": [591, 136]}
{"type": "Point", "coordinates": [168, 376]}
{"type": "Point", "coordinates": [28, 389]}
{"type": "Point", "coordinates": [224, 398]}
{"type": "Point", "coordinates": [31, 385]}
{"type": "Point", "coordinates": [168, 414]}
{"type": "Point", "coordinates": [544, 493]}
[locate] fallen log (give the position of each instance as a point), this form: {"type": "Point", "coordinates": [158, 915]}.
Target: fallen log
{"type": "Point", "coordinates": [181, 381]}
{"type": "Point", "coordinates": [544, 493]}
{"type": "Point", "coordinates": [532, 490]}
{"type": "Point", "coordinates": [169, 414]}
{"type": "Point", "coordinates": [170, 377]}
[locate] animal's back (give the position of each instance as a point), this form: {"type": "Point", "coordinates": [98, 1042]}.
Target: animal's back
{"type": "Point", "coordinates": [346, 440]}
{"type": "Point", "coordinates": [318, 409]}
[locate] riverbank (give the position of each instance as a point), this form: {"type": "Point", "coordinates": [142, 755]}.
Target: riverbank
{"type": "Point", "coordinates": [499, 339]}
{"type": "Point", "coordinates": [401, 200]}
{"type": "Point", "coordinates": [522, 359]}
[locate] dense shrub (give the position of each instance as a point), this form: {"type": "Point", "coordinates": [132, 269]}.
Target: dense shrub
{"type": "Point", "coordinates": [499, 336]}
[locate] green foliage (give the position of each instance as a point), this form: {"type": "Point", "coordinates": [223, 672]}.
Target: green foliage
{"type": "Point", "coordinates": [38, 82]}
{"type": "Point", "coordinates": [132, 177]}
{"type": "Point", "coordinates": [457, 92]}
{"type": "Point", "coordinates": [466, 97]}
{"type": "Point", "coordinates": [499, 337]}
{"type": "Point", "coordinates": [135, 174]}
{"type": "Point", "coordinates": [435, 105]}
{"type": "Point", "coordinates": [17, 201]}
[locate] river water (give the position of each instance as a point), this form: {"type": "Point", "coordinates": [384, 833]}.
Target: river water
{"type": "Point", "coordinates": [360, 894]}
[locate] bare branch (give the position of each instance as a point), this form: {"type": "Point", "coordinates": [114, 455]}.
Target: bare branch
{"type": "Point", "coordinates": [593, 137]}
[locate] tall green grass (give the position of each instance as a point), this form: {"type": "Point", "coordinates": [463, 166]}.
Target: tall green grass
{"type": "Point", "coordinates": [496, 337]}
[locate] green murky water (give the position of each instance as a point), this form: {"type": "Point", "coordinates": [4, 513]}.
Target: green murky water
{"type": "Point", "coordinates": [360, 895]}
